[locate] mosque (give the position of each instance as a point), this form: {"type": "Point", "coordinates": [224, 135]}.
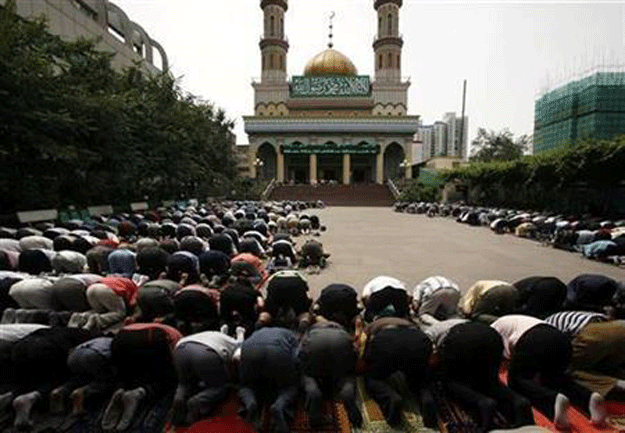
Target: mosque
{"type": "Point", "coordinates": [331, 124]}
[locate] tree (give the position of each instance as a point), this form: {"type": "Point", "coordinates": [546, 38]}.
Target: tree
{"type": "Point", "coordinates": [491, 146]}
{"type": "Point", "coordinates": [584, 177]}
{"type": "Point", "coordinates": [73, 131]}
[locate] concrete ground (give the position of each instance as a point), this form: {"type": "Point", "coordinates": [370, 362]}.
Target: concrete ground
{"type": "Point", "coordinates": [367, 242]}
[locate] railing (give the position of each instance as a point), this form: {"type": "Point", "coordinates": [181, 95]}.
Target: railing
{"type": "Point", "coordinates": [378, 37]}
{"type": "Point", "coordinates": [393, 188]}
{"type": "Point", "coordinates": [268, 190]}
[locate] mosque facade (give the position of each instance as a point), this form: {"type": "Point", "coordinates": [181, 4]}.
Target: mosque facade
{"type": "Point", "coordinates": [330, 123]}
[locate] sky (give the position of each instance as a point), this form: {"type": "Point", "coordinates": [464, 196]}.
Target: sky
{"type": "Point", "coordinates": [507, 51]}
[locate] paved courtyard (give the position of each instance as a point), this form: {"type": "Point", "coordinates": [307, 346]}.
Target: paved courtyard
{"type": "Point", "coordinates": [367, 242]}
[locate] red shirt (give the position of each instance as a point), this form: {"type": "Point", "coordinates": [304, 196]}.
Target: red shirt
{"type": "Point", "coordinates": [124, 287]}
{"type": "Point", "coordinates": [211, 293]}
{"type": "Point", "coordinates": [173, 335]}
{"type": "Point", "coordinates": [254, 261]}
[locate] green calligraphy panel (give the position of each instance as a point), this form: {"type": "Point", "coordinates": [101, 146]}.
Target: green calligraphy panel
{"type": "Point", "coordinates": [330, 86]}
{"type": "Point", "coordinates": [352, 149]}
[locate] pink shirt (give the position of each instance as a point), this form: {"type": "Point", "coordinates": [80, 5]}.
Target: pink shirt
{"type": "Point", "coordinates": [512, 327]}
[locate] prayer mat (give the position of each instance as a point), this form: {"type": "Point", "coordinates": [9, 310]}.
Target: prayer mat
{"type": "Point", "coordinates": [453, 418]}
{"type": "Point", "coordinates": [615, 422]}
{"type": "Point", "coordinates": [221, 424]}
{"type": "Point", "coordinates": [335, 419]}
{"type": "Point", "coordinates": [225, 419]}
{"type": "Point", "coordinates": [225, 414]}
{"type": "Point", "coordinates": [373, 418]}
{"type": "Point", "coordinates": [579, 423]}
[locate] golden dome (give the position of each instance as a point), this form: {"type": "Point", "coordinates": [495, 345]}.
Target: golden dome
{"type": "Point", "coordinates": [330, 62]}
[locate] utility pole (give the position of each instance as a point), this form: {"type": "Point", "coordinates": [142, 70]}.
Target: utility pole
{"type": "Point", "coordinates": [464, 102]}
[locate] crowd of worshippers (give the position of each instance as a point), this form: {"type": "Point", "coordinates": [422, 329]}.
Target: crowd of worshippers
{"type": "Point", "coordinates": [596, 238]}
{"type": "Point", "coordinates": [157, 315]}
{"type": "Point", "coordinates": [104, 302]}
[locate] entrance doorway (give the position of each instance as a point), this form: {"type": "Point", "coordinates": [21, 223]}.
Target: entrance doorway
{"type": "Point", "coordinates": [268, 157]}
{"type": "Point", "coordinates": [330, 168]}
{"type": "Point", "coordinates": [393, 157]}
{"type": "Point", "coordinates": [297, 169]}
{"type": "Point", "coordinates": [363, 168]}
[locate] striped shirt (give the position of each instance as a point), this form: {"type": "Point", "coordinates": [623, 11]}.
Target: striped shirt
{"type": "Point", "coordinates": [572, 322]}
{"type": "Point", "coordinates": [429, 286]}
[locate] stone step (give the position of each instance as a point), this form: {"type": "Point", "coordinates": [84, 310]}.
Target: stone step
{"type": "Point", "coordinates": [336, 195]}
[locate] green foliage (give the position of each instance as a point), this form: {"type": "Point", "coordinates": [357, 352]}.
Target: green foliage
{"type": "Point", "coordinates": [75, 131]}
{"type": "Point", "coordinates": [585, 177]}
{"type": "Point", "coordinates": [491, 146]}
{"type": "Point", "coordinates": [414, 190]}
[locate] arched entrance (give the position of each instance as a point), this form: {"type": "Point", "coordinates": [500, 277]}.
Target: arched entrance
{"type": "Point", "coordinates": [266, 154]}
{"type": "Point", "coordinates": [363, 167]}
{"type": "Point", "coordinates": [393, 157]}
{"type": "Point", "coordinates": [297, 167]}
{"type": "Point", "coordinates": [330, 166]}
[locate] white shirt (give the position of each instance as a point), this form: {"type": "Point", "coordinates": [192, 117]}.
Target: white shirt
{"type": "Point", "coordinates": [221, 343]}
{"type": "Point", "coordinates": [86, 279]}
{"type": "Point", "coordinates": [10, 245]}
{"type": "Point", "coordinates": [512, 327]}
{"type": "Point", "coordinates": [380, 283]}
{"type": "Point", "coordinates": [16, 331]}
{"type": "Point", "coordinates": [36, 243]}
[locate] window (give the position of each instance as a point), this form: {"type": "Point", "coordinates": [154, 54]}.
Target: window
{"type": "Point", "coordinates": [380, 25]}
{"type": "Point", "coordinates": [270, 61]}
{"type": "Point", "coordinates": [264, 62]}
{"type": "Point", "coordinates": [398, 62]}
{"type": "Point", "coordinates": [281, 61]}
{"type": "Point", "coordinates": [390, 24]}
{"type": "Point", "coordinates": [281, 27]}
{"type": "Point", "coordinates": [380, 61]}
{"type": "Point", "coordinates": [390, 60]}
{"type": "Point", "coordinates": [272, 24]}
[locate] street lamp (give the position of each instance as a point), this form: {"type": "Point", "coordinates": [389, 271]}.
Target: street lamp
{"type": "Point", "coordinates": [259, 165]}
{"type": "Point", "coordinates": [405, 165]}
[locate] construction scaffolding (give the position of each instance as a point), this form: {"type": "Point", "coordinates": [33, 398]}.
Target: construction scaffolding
{"type": "Point", "coordinates": [589, 107]}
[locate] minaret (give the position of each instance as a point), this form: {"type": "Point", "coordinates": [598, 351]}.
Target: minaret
{"type": "Point", "coordinates": [390, 93]}
{"type": "Point", "coordinates": [388, 43]}
{"type": "Point", "coordinates": [274, 45]}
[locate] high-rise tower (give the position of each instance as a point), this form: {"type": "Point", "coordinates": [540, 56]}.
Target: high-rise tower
{"type": "Point", "coordinates": [389, 92]}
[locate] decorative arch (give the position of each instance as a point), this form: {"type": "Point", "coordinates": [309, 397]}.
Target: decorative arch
{"type": "Point", "coordinates": [134, 35]}
{"type": "Point", "coordinates": [162, 53]}
{"type": "Point", "coordinates": [266, 153]}
{"type": "Point", "coordinates": [118, 20]}
{"type": "Point", "coordinates": [394, 154]}
{"type": "Point", "coordinates": [141, 40]}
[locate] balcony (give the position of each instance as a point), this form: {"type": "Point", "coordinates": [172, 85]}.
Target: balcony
{"type": "Point", "coordinates": [282, 42]}
{"type": "Point", "coordinates": [388, 40]}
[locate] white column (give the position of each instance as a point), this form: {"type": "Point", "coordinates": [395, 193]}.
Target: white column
{"type": "Point", "coordinates": [313, 169]}
{"type": "Point", "coordinates": [409, 160]}
{"type": "Point", "coordinates": [280, 168]}
{"type": "Point", "coordinates": [380, 167]}
{"type": "Point", "coordinates": [251, 159]}
{"type": "Point", "coordinates": [346, 168]}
